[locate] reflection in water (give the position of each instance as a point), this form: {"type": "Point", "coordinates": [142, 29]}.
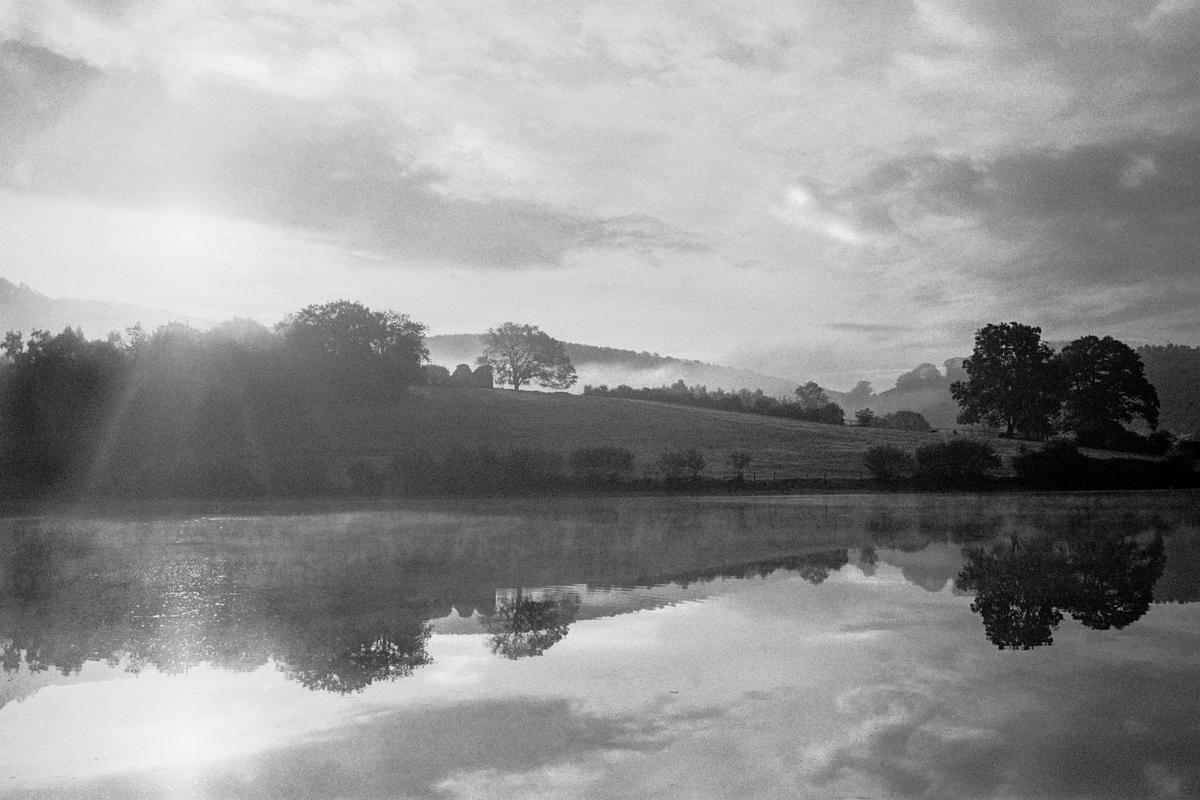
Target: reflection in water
{"type": "Point", "coordinates": [525, 625]}
{"type": "Point", "coordinates": [340, 602]}
{"type": "Point", "coordinates": [1023, 587]}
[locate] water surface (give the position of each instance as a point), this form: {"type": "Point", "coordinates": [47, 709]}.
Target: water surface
{"type": "Point", "coordinates": [997, 646]}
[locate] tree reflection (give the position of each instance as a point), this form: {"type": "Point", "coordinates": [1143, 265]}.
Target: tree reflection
{"type": "Point", "coordinates": [351, 667]}
{"type": "Point", "coordinates": [1024, 587]}
{"type": "Point", "coordinates": [524, 626]}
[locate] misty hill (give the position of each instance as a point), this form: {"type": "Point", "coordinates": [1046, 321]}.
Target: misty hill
{"type": "Point", "coordinates": [25, 309]}
{"type": "Point", "coordinates": [1173, 370]}
{"type": "Point", "coordinates": [610, 366]}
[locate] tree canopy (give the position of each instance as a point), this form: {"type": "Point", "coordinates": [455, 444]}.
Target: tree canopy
{"type": "Point", "coordinates": [523, 354]}
{"type": "Point", "coordinates": [1011, 380]}
{"type": "Point", "coordinates": [350, 332]}
{"type": "Point", "coordinates": [1104, 385]}
{"type": "Point", "coordinates": [1089, 389]}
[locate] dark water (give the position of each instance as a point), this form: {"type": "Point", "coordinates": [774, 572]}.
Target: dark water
{"type": "Point", "coordinates": [999, 646]}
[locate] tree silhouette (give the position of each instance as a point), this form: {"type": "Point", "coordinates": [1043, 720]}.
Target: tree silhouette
{"type": "Point", "coordinates": [1023, 588]}
{"type": "Point", "coordinates": [522, 354]}
{"type": "Point", "coordinates": [1011, 380]}
{"type": "Point", "coordinates": [527, 626]}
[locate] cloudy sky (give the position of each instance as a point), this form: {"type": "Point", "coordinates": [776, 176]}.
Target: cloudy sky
{"type": "Point", "coordinates": [810, 188]}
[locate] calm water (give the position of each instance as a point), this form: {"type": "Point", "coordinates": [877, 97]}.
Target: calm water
{"type": "Point", "coordinates": [818, 647]}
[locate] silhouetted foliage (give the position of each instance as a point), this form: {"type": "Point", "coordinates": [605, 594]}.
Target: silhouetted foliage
{"type": "Point", "coordinates": [525, 626]}
{"type": "Point", "coordinates": [1023, 589]}
{"type": "Point", "coordinates": [956, 462]}
{"type": "Point", "coordinates": [679, 464]}
{"type": "Point", "coordinates": [1104, 385]}
{"type": "Point", "coordinates": [1012, 381]}
{"type": "Point", "coordinates": [743, 400]}
{"type": "Point", "coordinates": [887, 463]}
{"type": "Point", "coordinates": [739, 461]}
{"type": "Point", "coordinates": [1060, 465]}
{"type": "Point", "coordinates": [923, 376]}
{"type": "Point", "coordinates": [523, 354]}
{"type": "Point", "coordinates": [179, 412]}
{"type": "Point", "coordinates": [350, 333]}
{"type": "Point", "coordinates": [601, 465]}
{"type": "Point", "coordinates": [864, 418]}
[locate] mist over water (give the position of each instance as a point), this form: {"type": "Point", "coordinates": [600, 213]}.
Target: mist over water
{"type": "Point", "coordinates": [516, 646]}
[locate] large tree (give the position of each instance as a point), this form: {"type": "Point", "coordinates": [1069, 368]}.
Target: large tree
{"type": "Point", "coordinates": [1012, 380]}
{"type": "Point", "coordinates": [522, 354]}
{"type": "Point", "coordinates": [1104, 385]}
{"type": "Point", "coordinates": [352, 333]}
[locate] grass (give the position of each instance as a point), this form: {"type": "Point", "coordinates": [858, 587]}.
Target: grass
{"type": "Point", "coordinates": [441, 418]}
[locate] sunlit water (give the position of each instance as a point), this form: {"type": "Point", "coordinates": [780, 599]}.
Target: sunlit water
{"type": "Point", "coordinates": [996, 646]}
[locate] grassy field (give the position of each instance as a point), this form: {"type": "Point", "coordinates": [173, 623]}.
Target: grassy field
{"type": "Point", "coordinates": [440, 418]}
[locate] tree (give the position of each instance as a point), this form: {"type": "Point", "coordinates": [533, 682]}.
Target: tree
{"type": "Point", "coordinates": [1011, 380]}
{"type": "Point", "coordinates": [887, 463]}
{"type": "Point", "coordinates": [811, 396]}
{"type": "Point", "coordinates": [864, 417]}
{"type": "Point", "coordinates": [352, 333]}
{"type": "Point", "coordinates": [1104, 385]}
{"type": "Point", "coordinates": [862, 391]}
{"type": "Point", "coordinates": [529, 626]}
{"type": "Point", "coordinates": [739, 461]}
{"type": "Point", "coordinates": [521, 354]}
{"type": "Point", "coordinates": [923, 376]}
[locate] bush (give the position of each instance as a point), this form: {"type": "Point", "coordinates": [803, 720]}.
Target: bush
{"type": "Point", "coordinates": [955, 462]}
{"type": "Point", "coordinates": [887, 463]}
{"type": "Point", "coordinates": [601, 464]}
{"type": "Point", "coordinates": [739, 461]}
{"type": "Point", "coordinates": [1058, 464]}
{"type": "Point", "coordinates": [675, 464]}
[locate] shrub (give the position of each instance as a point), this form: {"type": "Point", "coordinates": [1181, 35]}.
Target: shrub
{"type": "Point", "coordinates": [739, 461]}
{"type": "Point", "coordinates": [601, 464]}
{"type": "Point", "coordinates": [1058, 464]}
{"type": "Point", "coordinates": [955, 462]}
{"type": "Point", "coordinates": [887, 463]}
{"type": "Point", "coordinates": [676, 464]}
{"type": "Point", "coordinates": [527, 469]}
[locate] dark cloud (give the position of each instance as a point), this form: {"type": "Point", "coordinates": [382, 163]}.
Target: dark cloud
{"type": "Point", "coordinates": [1123, 216]}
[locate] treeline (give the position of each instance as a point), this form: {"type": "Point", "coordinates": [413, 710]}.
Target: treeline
{"type": "Point", "coordinates": [486, 470]}
{"type": "Point", "coordinates": [1059, 464]}
{"type": "Point", "coordinates": [811, 403]}
{"type": "Point", "coordinates": [178, 411]}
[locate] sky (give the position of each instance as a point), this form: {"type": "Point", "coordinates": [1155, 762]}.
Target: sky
{"type": "Point", "coordinates": [808, 188]}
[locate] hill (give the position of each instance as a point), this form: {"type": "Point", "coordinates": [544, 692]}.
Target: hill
{"type": "Point", "coordinates": [611, 366]}
{"type": "Point", "coordinates": [24, 309]}
{"type": "Point", "coordinates": [223, 444]}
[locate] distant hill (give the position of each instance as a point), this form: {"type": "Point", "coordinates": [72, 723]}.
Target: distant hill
{"type": "Point", "coordinates": [24, 309]}
{"type": "Point", "coordinates": [1174, 371]}
{"type": "Point", "coordinates": [612, 367]}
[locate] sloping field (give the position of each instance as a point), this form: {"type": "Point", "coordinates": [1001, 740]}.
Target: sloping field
{"type": "Point", "coordinates": [440, 418]}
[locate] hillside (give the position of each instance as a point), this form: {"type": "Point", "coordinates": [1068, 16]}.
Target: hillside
{"type": "Point", "coordinates": [611, 366]}
{"type": "Point", "coordinates": [289, 444]}
{"type": "Point", "coordinates": [24, 309]}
